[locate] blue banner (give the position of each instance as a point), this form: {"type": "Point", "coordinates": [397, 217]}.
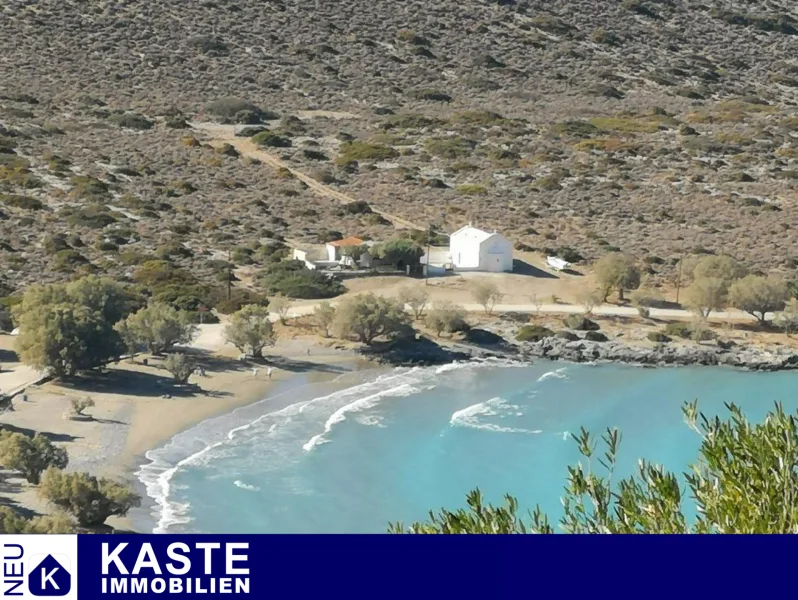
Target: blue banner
{"type": "Point", "coordinates": [262, 566]}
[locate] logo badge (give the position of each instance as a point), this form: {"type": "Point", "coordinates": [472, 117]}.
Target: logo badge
{"type": "Point", "coordinates": [50, 577]}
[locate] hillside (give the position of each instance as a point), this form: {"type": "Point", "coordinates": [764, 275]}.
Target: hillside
{"type": "Point", "coordinates": [652, 126]}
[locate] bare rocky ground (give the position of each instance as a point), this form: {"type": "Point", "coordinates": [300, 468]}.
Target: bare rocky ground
{"type": "Point", "coordinates": [653, 126]}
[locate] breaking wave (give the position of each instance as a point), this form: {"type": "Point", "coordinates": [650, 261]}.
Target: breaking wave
{"type": "Point", "coordinates": [495, 407]}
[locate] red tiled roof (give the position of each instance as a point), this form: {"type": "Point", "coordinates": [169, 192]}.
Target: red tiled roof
{"type": "Point", "coordinates": [348, 241]}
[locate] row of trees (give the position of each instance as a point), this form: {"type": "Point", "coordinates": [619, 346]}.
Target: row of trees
{"type": "Point", "coordinates": [83, 498]}
{"type": "Point", "coordinates": [745, 481]}
{"type": "Point", "coordinates": [713, 283]}
{"type": "Point", "coordinates": [367, 317]}
{"type": "Point", "coordinates": [66, 328]}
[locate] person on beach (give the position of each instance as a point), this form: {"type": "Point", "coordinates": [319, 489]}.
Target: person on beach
{"type": "Point", "coordinates": [269, 372]}
{"type": "Point", "coordinates": [254, 371]}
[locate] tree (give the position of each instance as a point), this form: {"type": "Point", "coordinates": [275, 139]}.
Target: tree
{"type": "Point", "coordinates": [368, 317]}
{"type": "Point", "coordinates": [587, 299]}
{"type": "Point", "coordinates": [788, 318]}
{"type": "Point", "coordinates": [721, 267]}
{"type": "Point", "coordinates": [399, 252]}
{"type": "Point", "coordinates": [745, 481]}
{"type": "Point", "coordinates": [89, 499]}
{"type": "Point", "coordinates": [416, 298]}
{"type": "Point", "coordinates": [13, 523]}
{"type": "Point", "coordinates": [67, 328]}
{"type": "Point", "coordinates": [180, 366]}
{"type": "Point", "coordinates": [706, 294]}
{"type": "Point", "coordinates": [30, 456]}
{"type": "Point", "coordinates": [81, 404]}
{"type": "Point", "coordinates": [281, 305]}
{"type": "Point", "coordinates": [250, 330]}
{"type": "Point", "coordinates": [616, 271]}
{"type": "Point", "coordinates": [759, 295]}
{"type": "Point", "coordinates": [486, 294]}
{"type": "Point", "coordinates": [158, 327]}
{"type": "Point", "coordinates": [324, 316]}
{"type": "Point", "coordinates": [445, 316]}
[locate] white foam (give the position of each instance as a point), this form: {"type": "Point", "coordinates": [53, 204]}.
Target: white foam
{"type": "Point", "coordinates": [244, 486]}
{"type": "Point", "coordinates": [157, 480]}
{"type": "Point", "coordinates": [470, 416]}
{"type": "Point", "coordinates": [558, 374]}
{"type": "Point", "coordinates": [166, 461]}
{"type": "Point", "coordinates": [358, 405]}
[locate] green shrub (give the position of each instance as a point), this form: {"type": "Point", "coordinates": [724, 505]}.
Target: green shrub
{"type": "Point", "coordinates": [567, 335]}
{"type": "Point", "coordinates": [580, 323]}
{"type": "Point", "coordinates": [236, 110]}
{"type": "Point", "coordinates": [90, 500]}
{"type": "Point", "coordinates": [677, 329]}
{"type": "Point", "coordinates": [596, 336]}
{"type": "Point", "coordinates": [292, 280]}
{"type": "Point", "coordinates": [533, 333]}
{"type": "Point", "coordinates": [658, 337]}
{"type": "Point", "coordinates": [449, 147]}
{"type": "Point", "coordinates": [67, 260]}
{"type": "Point", "coordinates": [93, 216]}
{"type": "Point", "coordinates": [358, 207]}
{"type": "Point", "coordinates": [432, 94]}
{"type": "Point", "coordinates": [131, 121]}
{"type": "Point", "coordinates": [359, 150]}
{"type": "Point", "coordinates": [270, 139]}
{"type": "Point", "coordinates": [472, 189]}
{"type": "Point", "coordinates": [87, 187]}
{"type": "Point", "coordinates": [23, 202]}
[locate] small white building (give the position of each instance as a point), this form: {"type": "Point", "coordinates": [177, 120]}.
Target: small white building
{"type": "Point", "coordinates": [475, 250]}
{"type": "Point", "coordinates": [335, 250]}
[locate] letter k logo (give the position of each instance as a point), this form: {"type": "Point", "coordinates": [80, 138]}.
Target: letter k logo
{"type": "Point", "coordinates": [49, 578]}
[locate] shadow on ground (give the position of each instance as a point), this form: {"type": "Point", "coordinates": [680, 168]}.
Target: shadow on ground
{"type": "Point", "coordinates": [293, 365]}
{"type": "Point", "coordinates": [133, 383]}
{"type": "Point", "coordinates": [521, 267]}
{"type": "Point", "coordinates": [53, 437]}
{"type": "Point", "coordinates": [8, 356]}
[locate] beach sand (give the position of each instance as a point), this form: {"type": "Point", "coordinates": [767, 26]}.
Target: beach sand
{"type": "Point", "coordinates": [137, 408]}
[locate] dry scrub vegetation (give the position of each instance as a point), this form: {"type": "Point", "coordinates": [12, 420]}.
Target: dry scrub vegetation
{"type": "Point", "coordinates": [574, 127]}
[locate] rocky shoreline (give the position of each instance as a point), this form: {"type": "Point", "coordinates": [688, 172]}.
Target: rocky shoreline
{"type": "Point", "coordinates": [661, 355]}
{"type": "Point", "coordinates": [426, 352]}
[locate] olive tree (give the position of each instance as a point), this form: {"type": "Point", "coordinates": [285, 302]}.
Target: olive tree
{"type": "Point", "coordinates": [759, 295]}
{"type": "Point", "coordinates": [89, 499]}
{"type": "Point", "coordinates": [487, 295]}
{"type": "Point", "coordinates": [445, 316]}
{"type": "Point", "coordinates": [250, 330]}
{"type": "Point", "coordinates": [158, 327]}
{"type": "Point", "coordinates": [13, 523]}
{"type": "Point", "coordinates": [721, 267]}
{"type": "Point", "coordinates": [324, 316]}
{"type": "Point", "coordinates": [280, 305]}
{"type": "Point", "coordinates": [67, 328]}
{"type": "Point", "coordinates": [706, 294]}
{"type": "Point", "coordinates": [787, 319]}
{"type": "Point", "coordinates": [367, 317]}
{"type": "Point", "coordinates": [744, 481]}
{"type": "Point", "coordinates": [30, 456]}
{"type": "Point", "coordinates": [180, 366]}
{"type": "Point", "coordinates": [416, 298]}
{"type": "Point", "coordinates": [616, 271]}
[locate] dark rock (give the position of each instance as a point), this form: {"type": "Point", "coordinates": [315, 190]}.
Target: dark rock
{"type": "Point", "coordinates": [481, 337]}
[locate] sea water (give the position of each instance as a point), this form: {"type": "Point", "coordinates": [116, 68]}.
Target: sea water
{"type": "Point", "coordinates": [376, 448]}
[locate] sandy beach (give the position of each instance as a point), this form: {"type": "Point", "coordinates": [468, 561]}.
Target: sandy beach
{"type": "Point", "coordinates": [137, 408]}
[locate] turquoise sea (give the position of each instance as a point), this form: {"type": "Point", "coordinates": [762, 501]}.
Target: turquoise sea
{"type": "Point", "coordinates": [374, 447]}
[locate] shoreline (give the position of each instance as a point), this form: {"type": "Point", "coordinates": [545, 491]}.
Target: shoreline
{"type": "Point", "coordinates": [137, 411]}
